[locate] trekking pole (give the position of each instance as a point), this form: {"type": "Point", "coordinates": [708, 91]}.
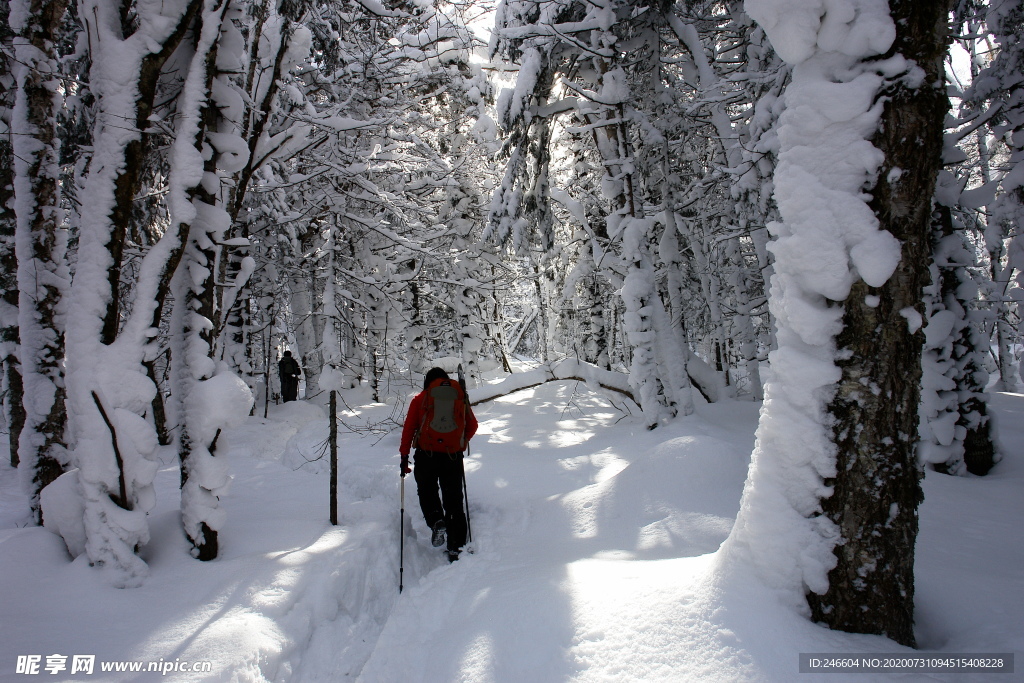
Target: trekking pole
{"type": "Point", "coordinates": [465, 490]}
{"type": "Point", "coordinates": [465, 494]}
{"type": "Point", "coordinates": [401, 539]}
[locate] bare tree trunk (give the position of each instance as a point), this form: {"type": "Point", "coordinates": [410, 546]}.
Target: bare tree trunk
{"type": "Point", "coordinates": [163, 433]}
{"type": "Point", "coordinates": [877, 487]}
{"type": "Point", "coordinates": [542, 304]}
{"type": "Point", "coordinates": [497, 329]}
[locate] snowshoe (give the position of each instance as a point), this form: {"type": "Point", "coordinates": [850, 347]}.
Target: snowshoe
{"type": "Point", "coordinates": [452, 556]}
{"type": "Point", "coordinates": [437, 538]}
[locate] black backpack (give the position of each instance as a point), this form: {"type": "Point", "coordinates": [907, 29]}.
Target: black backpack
{"type": "Point", "coordinates": [288, 367]}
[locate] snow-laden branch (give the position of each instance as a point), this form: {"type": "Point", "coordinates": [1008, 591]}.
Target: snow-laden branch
{"type": "Point", "coordinates": [568, 369]}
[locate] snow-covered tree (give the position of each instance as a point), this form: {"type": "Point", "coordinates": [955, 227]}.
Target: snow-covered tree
{"type": "Point", "coordinates": [997, 96]}
{"type": "Point", "coordinates": [41, 241]}
{"type": "Point", "coordinates": [367, 172]}
{"type": "Point", "coordinates": [624, 109]}
{"type": "Point", "coordinates": [956, 428]}
{"type": "Point", "coordinates": [109, 386]}
{"type": "Point", "coordinates": [10, 384]}
{"type": "Point", "coordinates": [830, 508]}
{"type": "Point", "coordinates": [210, 397]}
{"type": "Point", "coordinates": [551, 40]}
{"type": "Point", "coordinates": [321, 177]}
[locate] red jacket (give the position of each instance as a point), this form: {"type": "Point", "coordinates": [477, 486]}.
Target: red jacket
{"type": "Point", "coordinates": [415, 416]}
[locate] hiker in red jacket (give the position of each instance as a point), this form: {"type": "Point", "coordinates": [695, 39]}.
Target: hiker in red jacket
{"type": "Point", "coordinates": [439, 425]}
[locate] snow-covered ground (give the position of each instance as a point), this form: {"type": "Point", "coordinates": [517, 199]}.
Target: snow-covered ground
{"type": "Point", "coordinates": [595, 559]}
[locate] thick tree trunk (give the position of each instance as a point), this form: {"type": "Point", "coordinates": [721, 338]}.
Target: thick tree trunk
{"type": "Point", "coordinates": [14, 410]}
{"type": "Point", "coordinates": [196, 316]}
{"type": "Point", "coordinates": [40, 244]}
{"type": "Point", "coordinates": [192, 448]}
{"type": "Point", "coordinates": [877, 489]}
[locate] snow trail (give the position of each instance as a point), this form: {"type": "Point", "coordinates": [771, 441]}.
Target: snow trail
{"type": "Point", "coordinates": [549, 491]}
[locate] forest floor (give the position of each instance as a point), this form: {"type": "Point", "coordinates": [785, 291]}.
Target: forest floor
{"type": "Point", "coordinates": [594, 559]}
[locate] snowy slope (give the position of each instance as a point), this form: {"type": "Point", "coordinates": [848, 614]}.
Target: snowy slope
{"type": "Point", "coordinates": [595, 560]}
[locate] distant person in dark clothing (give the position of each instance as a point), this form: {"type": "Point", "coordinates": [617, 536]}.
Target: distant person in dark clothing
{"type": "Point", "coordinates": [290, 372]}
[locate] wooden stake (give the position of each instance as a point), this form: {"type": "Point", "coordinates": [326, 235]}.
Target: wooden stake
{"type": "Point", "coordinates": [334, 457]}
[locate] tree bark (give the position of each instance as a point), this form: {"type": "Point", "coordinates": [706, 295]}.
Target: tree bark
{"type": "Point", "coordinates": [877, 489]}
{"type": "Point", "coordinates": [14, 409]}
{"type": "Point", "coordinates": [196, 318]}
{"type": "Point", "coordinates": [40, 243]}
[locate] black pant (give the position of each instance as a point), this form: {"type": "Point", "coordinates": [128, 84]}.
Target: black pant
{"type": "Point", "coordinates": [434, 471]}
{"type": "Point", "coordinates": [289, 388]}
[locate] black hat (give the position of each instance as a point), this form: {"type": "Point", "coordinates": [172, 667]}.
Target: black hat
{"type": "Point", "coordinates": [432, 374]}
